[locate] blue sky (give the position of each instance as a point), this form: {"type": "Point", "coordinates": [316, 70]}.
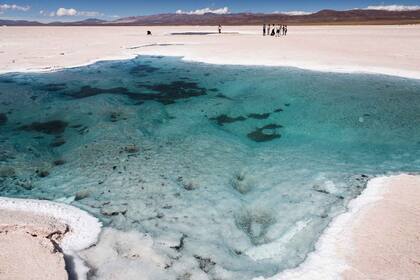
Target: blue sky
{"type": "Point", "coordinates": [49, 10]}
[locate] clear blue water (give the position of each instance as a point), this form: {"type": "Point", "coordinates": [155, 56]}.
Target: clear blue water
{"type": "Point", "coordinates": [245, 165]}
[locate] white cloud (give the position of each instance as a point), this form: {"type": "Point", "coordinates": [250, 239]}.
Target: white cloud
{"type": "Point", "coordinates": [71, 12]}
{"type": "Point", "coordinates": [294, 13]}
{"type": "Point", "coordinates": [5, 7]}
{"type": "Point", "coordinates": [61, 12]}
{"type": "Point", "coordinates": [393, 8]}
{"type": "Point", "coordinates": [220, 11]}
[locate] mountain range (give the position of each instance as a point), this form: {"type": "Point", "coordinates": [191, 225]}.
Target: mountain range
{"type": "Point", "coordinates": [329, 17]}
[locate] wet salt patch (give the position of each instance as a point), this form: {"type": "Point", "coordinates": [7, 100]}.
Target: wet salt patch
{"type": "Point", "coordinates": [127, 255]}
{"type": "Point", "coordinates": [328, 260]}
{"type": "Point", "coordinates": [276, 249]}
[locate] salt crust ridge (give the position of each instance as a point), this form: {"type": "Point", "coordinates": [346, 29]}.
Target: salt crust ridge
{"type": "Point", "coordinates": [327, 262]}
{"type": "Point", "coordinates": [84, 228]}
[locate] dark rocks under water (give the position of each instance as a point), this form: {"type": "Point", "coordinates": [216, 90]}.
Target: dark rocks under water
{"type": "Point", "coordinates": [143, 70]}
{"type": "Point", "coordinates": [265, 133]}
{"type": "Point", "coordinates": [49, 127]}
{"type": "Point", "coordinates": [59, 162]}
{"type": "Point", "coordinates": [169, 93]}
{"type": "Point", "coordinates": [59, 141]}
{"type": "Point", "coordinates": [226, 119]}
{"type": "Point", "coordinates": [262, 116]}
{"type": "Point", "coordinates": [3, 118]}
{"type": "Point", "coordinates": [223, 119]}
{"type": "Point", "coordinates": [165, 93]}
{"type": "Point", "coordinates": [53, 87]}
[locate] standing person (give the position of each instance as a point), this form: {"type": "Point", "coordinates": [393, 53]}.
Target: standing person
{"type": "Point", "coordinates": [264, 29]}
{"type": "Point", "coordinates": [268, 29]}
{"type": "Point", "coordinates": [220, 29]}
{"type": "Point", "coordinates": [285, 30]}
{"type": "Point", "coordinates": [273, 31]}
{"type": "Point", "coordinates": [278, 31]}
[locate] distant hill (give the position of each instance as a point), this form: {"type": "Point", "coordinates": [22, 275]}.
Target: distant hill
{"type": "Point", "coordinates": [86, 22]}
{"type": "Point", "coordinates": [19, 23]}
{"type": "Point", "coordinates": [329, 17]}
{"type": "Point", "coordinates": [321, 17]}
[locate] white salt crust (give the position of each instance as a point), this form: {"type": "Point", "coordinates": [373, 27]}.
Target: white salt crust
{"type": "Point", "coordinates": [336, 52]}
{"type": "Point", "coordinates": [343, 69]}
{"type": "Point", "coordinates": [84, 228]}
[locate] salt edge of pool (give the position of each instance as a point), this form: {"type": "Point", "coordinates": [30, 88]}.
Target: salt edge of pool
{"type": "Point", "coordinates": [328, 262]}
{"type": "Point", "coordinates": [84, 229]}
{"type": "Point", "coordinates": [127, 55]}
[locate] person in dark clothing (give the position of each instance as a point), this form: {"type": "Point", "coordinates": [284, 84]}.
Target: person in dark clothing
{"type": "Point", "coordinates": [264, 29]}
{"type": "Point", "coordinates": [220, 29]}
{"type": "Point", "coordinates": [278, 31]}
{"type": "Point", "coordinates": [273, 31]}
{"type": "Point", "coordinates": [285, 30]}
{"type": "Point", "coordinates": [268, 29]}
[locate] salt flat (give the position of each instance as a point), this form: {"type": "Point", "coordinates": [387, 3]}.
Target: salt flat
{"type": "Point", "coordinates": [392, 50]}
{"type": "Point", "coordinates": [379, 49]}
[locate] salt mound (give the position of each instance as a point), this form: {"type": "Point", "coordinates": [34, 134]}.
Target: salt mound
{"type": "Point", "coordinates": [84, 229]}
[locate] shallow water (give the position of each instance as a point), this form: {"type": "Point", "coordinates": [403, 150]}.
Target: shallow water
{"type": "Point", "coordinates": [233, 171]}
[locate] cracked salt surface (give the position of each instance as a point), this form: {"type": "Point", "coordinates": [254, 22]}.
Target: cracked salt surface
{"type": "Point", "coordinates": [203, 171]}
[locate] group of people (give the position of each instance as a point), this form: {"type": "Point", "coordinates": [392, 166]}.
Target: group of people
{"type": "Point", "coordinates": [272, 30]}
